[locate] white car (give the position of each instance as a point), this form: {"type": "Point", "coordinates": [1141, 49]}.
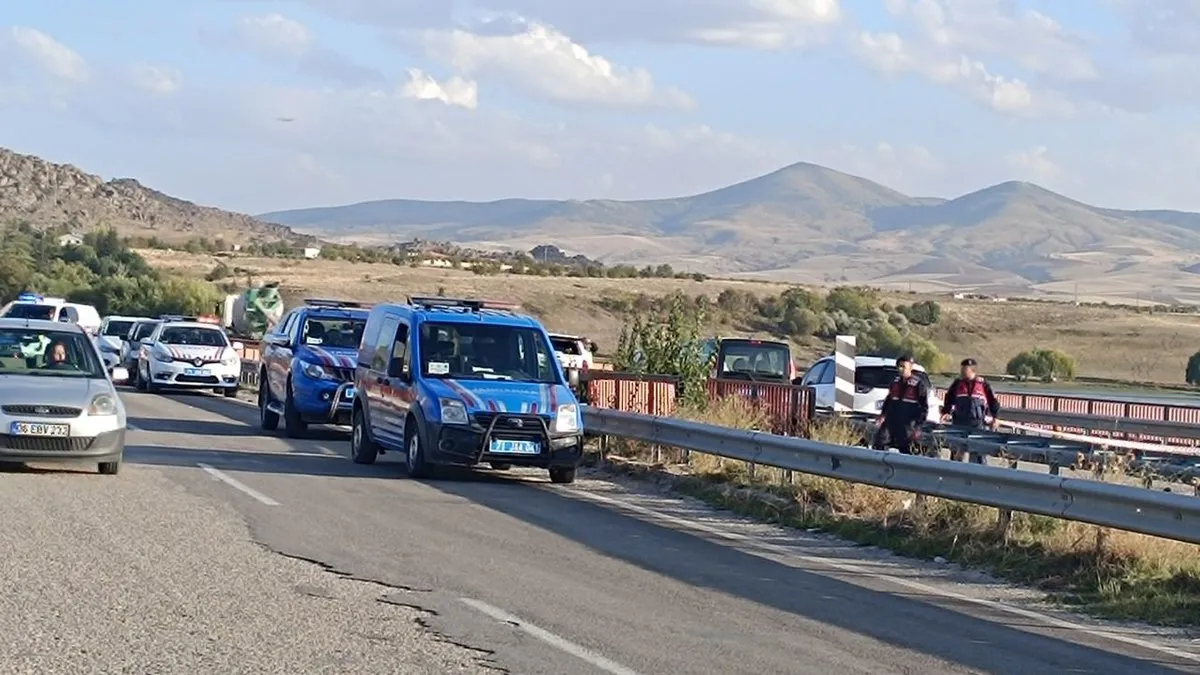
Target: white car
{"type": "Point", "coordinates": [873, 375]}
{"type": "Point", "coordinates": [57, 403]}
{"type": "Point", "coordinates": [573, 351]}
{"type": "Point", "coordinates": [189, 354]}
{"type": "Point", "coordinates": [113, 337]}
{"type": "Point", "coordinates": [34, 306]}
{"type": "Point", "coordinates": [132, 344]}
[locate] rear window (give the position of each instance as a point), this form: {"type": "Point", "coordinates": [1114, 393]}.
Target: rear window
{"type": "Point", "coordinates": [144, 329]}
{"type": "Point", "coordinates": [881, 377]}
{"type": "Point", "coordinates": [29, 310]}
{"type": "Point", "coordinates": [564, 346]}
{"type": "Point", "coordinates": [118, 328]}
{"type": "Point", "coordinates": [766, 359]}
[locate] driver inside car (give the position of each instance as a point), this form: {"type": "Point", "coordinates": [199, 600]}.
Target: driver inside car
{"type": "Point", "coordinates": [57, 356]}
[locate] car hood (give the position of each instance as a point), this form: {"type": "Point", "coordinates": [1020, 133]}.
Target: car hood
{"type": "Point", "coordinates": [48, 390]}
{"type": "Point", "coordinates": [189, 352]}
{"type": "Point", "coordinates": [504, 396]}
{"type": "Point", "coordinates": [333, 357]}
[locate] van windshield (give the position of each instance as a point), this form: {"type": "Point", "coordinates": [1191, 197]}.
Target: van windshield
{"type": "Point", "coordinates": [118, 328]}
{"type": "Point", "coordinates": [754, 360]}
{"type": "Point", "coordinates": [473, 351]}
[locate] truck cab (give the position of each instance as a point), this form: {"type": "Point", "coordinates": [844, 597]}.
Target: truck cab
{"type": "Point", "coordinates": [457, 382]}
{"type": "Point", "coordinates": [306, 371]}
{"type": "Point", "coordinates": [750, 359]}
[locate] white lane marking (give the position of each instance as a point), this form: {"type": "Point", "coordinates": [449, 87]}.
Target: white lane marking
{"type": "Point", "coordinates": [238, 485]}
{"type": "Point", "coordinates": [858, 570]}
{"type": "Point", "coordinates": [562, 644]}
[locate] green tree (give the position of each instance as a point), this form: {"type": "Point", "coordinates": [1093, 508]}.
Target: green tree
{"type": "Point", "coordinates": [1047, 365]}
{"type": "Point", "coordinates": [667, 341]}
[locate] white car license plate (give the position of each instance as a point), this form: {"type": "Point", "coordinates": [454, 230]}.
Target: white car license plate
{"type": "Point", "coordinates": [196, 372]}
{"type": "Point", "coordinates": [38, 429]}
{"type": "Point", "coordinates": [503, 446]}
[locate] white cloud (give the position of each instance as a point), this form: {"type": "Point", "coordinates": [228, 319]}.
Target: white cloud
{"type": "Point", "coordinates": [156, 80]}
{"type": "Point", "coordinates": [456, 91]}
{"type": "Point", "coordinates": [1034, 164]}
{"type": "Point", "coordinates": [47, 54]}
{"type": "Point", "coordinates": [276, 38]}
{"type": "Point", "coordinates": [541, 61]}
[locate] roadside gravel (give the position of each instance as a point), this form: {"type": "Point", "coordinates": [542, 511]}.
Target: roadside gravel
{"type": "Point", "coordinates": [133, 574]}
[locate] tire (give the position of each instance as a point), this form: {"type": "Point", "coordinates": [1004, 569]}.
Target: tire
{"type": "Point", "coordinates": [363, 450]}
{"type": "Point", "coordinates": [294, 426]}
{"type": "Point", "coordinates": [267, 420]}
{"type": "Point", "coordinates": [138, 382]}
{"type": "Point", "coordinates": [414, 454]}
{"type": "Point", "coordinates": [109, 468]}
{"type": "Point", "coordinates": [230, 392]}
{"type": "Point", "coordinates": [501, 466]}
{"type": "Point", "coordinates": [562, 475]}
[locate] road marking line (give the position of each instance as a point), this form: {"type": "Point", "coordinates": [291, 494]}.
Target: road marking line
{"type": "Point", "coordinates": [238, 485]}
{"type": "Point", "coordinates": [859, 570]}
{"type": "Point", "coordinates": [549, 638]}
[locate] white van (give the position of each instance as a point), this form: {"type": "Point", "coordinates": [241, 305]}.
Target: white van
{"type": "Point", "coordinates": [33, 306]}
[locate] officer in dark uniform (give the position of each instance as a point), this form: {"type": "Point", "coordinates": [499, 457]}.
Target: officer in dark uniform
{"type": "Point", "coordinates": [904, 410]}
{"type": "Point", "coordinates": [970, 401]}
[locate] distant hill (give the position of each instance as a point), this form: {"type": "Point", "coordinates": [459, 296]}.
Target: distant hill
{"type": "Point", "coordinates": [810, 223]}
{"type": "Point", "coordinates": [48, 194]}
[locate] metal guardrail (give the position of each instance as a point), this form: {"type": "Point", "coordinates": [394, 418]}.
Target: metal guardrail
{"type": "Point", "coordinates": [1121, 507]}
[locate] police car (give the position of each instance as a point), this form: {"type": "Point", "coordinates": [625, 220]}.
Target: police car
{"type": "Point", "coordinates": [30, 305]}
{"type": "Point", "coordinates": [463, 383]}
{"type": "Point", "coordinates": [186, 353]}
{"type": "Point", "coordinates": [307, 372]}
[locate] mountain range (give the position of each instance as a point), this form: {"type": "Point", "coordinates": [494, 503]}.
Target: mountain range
{"type": "Point", "coordinates": [809, 223]}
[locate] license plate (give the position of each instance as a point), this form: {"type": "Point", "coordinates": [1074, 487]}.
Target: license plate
{"type": "Point", "coordinates": [197, 372]}
{"type": "Point", "coordinates": [37, 429]}
{"type": "Point", "coordinates": [507, 447]}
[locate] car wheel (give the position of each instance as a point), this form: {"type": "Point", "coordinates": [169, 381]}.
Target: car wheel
{"type": "Point", "coordinates": [363, 450]}
{"type": "Point", "coordinates": [138, 382]}
{"type": "Point", "coordinates": [415, 463]}
{"type": "Point", "coordinates": [294, 425]}
{"type": "Point", "coordinates": [501, 466]}
{"type": "Point", "coordinates": [267, 419]}
{"type": "Point", "coordinates": [110, 468]}
{"type": "Point", "coordinates": [562, 475]}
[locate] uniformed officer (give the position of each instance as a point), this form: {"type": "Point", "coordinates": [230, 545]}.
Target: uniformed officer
{"type": "Point", "coordinates": [970, 401]}
{"type": "Point", "coordinates": [904, 410]}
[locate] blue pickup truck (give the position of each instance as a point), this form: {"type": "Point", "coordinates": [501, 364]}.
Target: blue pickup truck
{"type": "Point", "coordinates": [306, 372]}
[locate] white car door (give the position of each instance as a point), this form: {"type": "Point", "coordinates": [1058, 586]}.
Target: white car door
{"type": "Point", "coordinates": [820, 377]}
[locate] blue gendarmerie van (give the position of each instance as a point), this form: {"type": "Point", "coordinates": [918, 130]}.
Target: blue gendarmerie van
{"type": "Point", "coordinates": [463, 383]}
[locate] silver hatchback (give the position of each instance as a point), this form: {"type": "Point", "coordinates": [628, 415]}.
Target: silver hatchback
{"type": "Point", "coordinates": [57, 401]}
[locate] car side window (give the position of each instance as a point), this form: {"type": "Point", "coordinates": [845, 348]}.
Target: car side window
{"type": "Point", "coordinates": [292, 329]}
{"type": "Point", "coordinates": [400, 347]}
{"type": "Point", "coordinates": [384, 344]}
{"type": "Point", "coordinates": [813, 376]}
{"type": "Point", "coordinates": [830, 373]}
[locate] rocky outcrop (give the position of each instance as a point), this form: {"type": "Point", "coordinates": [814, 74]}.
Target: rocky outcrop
{"type": "Point", "coordinates": [48, 194]}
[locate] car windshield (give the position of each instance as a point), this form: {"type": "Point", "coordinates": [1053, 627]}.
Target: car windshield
{"type": "Point", "coordinates": [118, 328]}
{"type": "Point", "coordinates": [143, 330]}
{"type": "Point", "coordinates": [190, 335]}
{"type": "Point", "coordinates": [30, 310]}
{"type": "Point", "coordinates": [757, 359]}
{"type": "Point", "coordinates": [566, 346]}
{"type": "Point", "coordinates": [335, 332]}
{"type": "Point", "coordinates": [480, 351]}
{"type": "Point", "coordinates": [50, 353]}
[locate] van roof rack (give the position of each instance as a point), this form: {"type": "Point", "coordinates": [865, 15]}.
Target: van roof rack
{"type": "Point", "coordinates": [336, 304]}
{"type": "Point", "coordinates": [468, 304]}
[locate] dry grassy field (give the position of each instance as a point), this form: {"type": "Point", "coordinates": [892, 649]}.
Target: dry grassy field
{"type": "Point", "coordinates": [1107, 342]}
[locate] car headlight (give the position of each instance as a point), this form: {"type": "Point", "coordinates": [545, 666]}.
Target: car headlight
{"type": "Point", "coordinates": [102, 405]}
{"type": "Point", "coordinates": [316, 372]}
{"type": "Point", "coordinates": [161, 354]}
{"type": "Point", "coordinates": [453, 411]}
{"type": "Point", "coordinates": [567, 418]}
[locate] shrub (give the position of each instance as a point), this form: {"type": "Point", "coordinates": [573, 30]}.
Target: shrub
{"type": "Point", "coordinates": [925, 313]}
{"type": "Point", "coordinates": [666, 341]}
{"type": "Point", "coordinates": [1044, 364]}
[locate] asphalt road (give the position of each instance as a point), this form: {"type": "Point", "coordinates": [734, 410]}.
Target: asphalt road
{"type": "Point", "coordinates": [479, 570]}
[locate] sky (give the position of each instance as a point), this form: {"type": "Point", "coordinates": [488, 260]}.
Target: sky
{"type": "Point", "coordinates": [261, 106]}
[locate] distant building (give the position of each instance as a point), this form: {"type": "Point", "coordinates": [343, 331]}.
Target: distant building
{"type": "Point", "coordinates": [312, 252]}
{"type": "Point", "coordinates": [70, 240]}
